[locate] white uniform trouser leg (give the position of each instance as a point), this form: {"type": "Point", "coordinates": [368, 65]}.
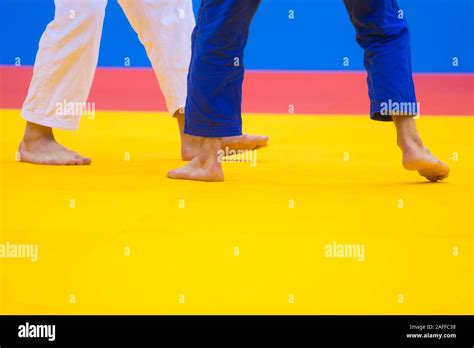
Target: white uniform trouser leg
{"type": "Point", "coordinates": [65, 62]}
{"type": "Point", "coordinates": [69, 49]}
{"type": "Point", "coordinates": [165, 27]}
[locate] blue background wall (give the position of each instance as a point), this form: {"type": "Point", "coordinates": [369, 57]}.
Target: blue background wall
{"type": "Point", "coordinates": [318, 38]}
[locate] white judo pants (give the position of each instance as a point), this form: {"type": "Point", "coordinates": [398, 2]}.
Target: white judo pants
{"type": "Point", "coordinates": [69, 48]}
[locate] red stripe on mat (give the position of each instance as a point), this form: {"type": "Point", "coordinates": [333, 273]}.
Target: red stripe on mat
{"type": "Point", "coordinates": [264, 91]}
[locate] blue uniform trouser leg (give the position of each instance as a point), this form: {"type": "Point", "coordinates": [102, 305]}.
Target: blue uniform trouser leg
{"type": "Point", "coordinates": [216, 72]}
{"type": "Point", "coordinates": [383, 33]}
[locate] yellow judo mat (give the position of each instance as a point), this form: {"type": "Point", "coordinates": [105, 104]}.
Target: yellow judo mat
{"type": "Point", "coordinates": [325, 221]}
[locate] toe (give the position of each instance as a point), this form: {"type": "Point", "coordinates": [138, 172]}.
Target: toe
{"type": "Point", "coordinates": [172, 174]}
{"type": "Point", "coordinates": [81, 160]}
{"type": "Point", "coordinates": [85, 161]}
{"type": "Point", "coordinates": [263, 142]}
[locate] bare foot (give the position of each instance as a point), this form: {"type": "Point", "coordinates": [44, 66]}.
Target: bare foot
{"type": "Point", "coordinates": [421, 159]}
{"type": "Point", "coordinates": [39, 147]}
{"type": "Point", "coordinates": [191, 145]}
{"type": "Point", "coordinates": [415, 155]}
{"type": "Point", "coordinates": [205, 166]}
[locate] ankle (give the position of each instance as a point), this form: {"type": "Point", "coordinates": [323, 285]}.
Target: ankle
{"type": "Point", "coordinates": [409, 143]}
{"type": "Point", "coordinates": [210, 150]}
{"type": "Point", "coordinates": [35, 132]}
{"type": "Point", "coordinates": [407, 134]}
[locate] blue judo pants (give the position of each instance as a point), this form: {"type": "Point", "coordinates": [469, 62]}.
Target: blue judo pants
{"type": "Point", "coordinates": [213, 105]}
